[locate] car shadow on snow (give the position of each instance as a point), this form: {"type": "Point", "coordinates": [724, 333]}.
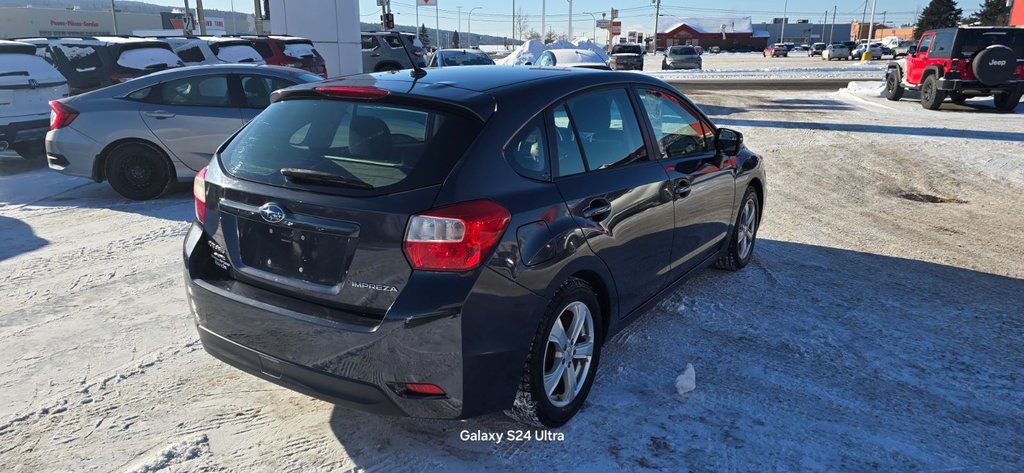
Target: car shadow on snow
{"type": "Point", "coordinates": [872, 128]}
{"type": "Point", "coordinates": [47, 188]}
{"type": "Point", "coordinates": [810, 358]}
{"type": "Point", "coordinates": [17, 237]}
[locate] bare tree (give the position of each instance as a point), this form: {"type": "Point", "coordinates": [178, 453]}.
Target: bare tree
{"type": "Point", "coordinates": [533, 34]}
{"type": "Point", "coordinates": [522, 23]}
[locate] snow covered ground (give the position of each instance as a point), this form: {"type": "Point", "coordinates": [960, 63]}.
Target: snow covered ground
{"type": "Point", "coordinates": [753, 66]}
{"type": "Point", "coordinates": [871, 332]}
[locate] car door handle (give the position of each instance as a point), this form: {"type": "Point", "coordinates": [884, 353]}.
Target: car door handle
{"type": "Point", "coordinates": [598, 210]}
{"type": "Point", "coordinates": [160, 114]}
{"type": "Point", "coordinates": [683, 187]}
{"type": "Point", "coordinates": [375, 55]}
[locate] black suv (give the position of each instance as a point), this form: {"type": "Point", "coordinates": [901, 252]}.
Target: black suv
{"type": "Point", "coordinates": [91, 62]}
{"type": "Point", "coordinates": [460, 242]}
{"type": "Point", "coordinates": [962, 63]}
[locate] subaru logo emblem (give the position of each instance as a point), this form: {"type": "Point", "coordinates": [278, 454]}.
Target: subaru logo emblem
{"type": "Point", "coordinates": [272, 212]}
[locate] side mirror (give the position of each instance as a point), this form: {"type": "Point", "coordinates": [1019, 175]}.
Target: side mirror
{"type": "Point", "coordinates": [912, 51]}
{"type": "Point", "coordinates": [729, 142]}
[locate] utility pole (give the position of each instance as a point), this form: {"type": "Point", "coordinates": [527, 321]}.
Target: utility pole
{"type": "Point", "coordinates": [785, 11]}
{"type": "Point", "coordinates": [437, 27]}
{"type": "Point", "coordinates": [543, 19]}
{"type": "Point", "coordinates": [833, 28]}
{"type": "Point", "coordinates": [201, 17]}
{"type": "Point", "coordinates": [883, 17]}
{"type": "Point", "coordinates": [113, 14]}
{"type": "Point", "coordinates": [871, 27]}
{"type": "Point", "coordinates": [513, 20]}
{"type": "Point", "coordinates": [234, 19]}
{"type": "Point", "coordinates": [657, 16]}
{"type": "Point", "coordinates": [594, 34]}
{"type": "Point", "coordinates": [458, 27]}
{"type": "Point", "coordinates": [570, 20]}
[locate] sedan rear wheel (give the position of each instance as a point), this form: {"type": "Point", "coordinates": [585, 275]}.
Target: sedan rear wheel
{"type": "Point", "coordinates": [139, 171]}
{"type": "Point", "coordinates": [563, 359]}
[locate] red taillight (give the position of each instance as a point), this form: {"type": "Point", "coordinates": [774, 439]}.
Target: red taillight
{"type": "Point", "coordinates": [456, 237]}
{"type": "Point", "coordinates": [352, 91]}
{"type": "Point", "coordinates": [423, 389]}
{"type": "Point", "coordinates": [199, 192]}
{"type": "Point", "coordinates": [954, 65]}
{"type": "Point", "coordinates": [61, 115]}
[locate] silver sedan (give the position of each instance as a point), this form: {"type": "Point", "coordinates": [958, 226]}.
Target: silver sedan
{"type": "Point", "coordinates": [144, 135]}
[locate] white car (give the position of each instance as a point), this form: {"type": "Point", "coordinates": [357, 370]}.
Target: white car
{"type": "Point", "coordinates": [875, 49]}
{"type": "Point", "coordinates": [27, 85]}
{"type": "Point", "coordinates": [583, 58]}
{"type": "Point", "coordinates": [836, 51]}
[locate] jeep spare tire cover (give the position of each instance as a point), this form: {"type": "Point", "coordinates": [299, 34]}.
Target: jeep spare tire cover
{"type": "Point", "coordinates": [994, 65]}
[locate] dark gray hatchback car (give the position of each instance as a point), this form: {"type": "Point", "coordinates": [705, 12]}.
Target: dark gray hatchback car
{"type": "Point", "coordinates": [461, 242]}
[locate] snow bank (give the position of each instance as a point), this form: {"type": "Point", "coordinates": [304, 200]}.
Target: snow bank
{"type": "Point", "coordinates": [181, 452]}
{"type": "Point", "coordinates": [866, 88]}
{"type": "Point", "coordinates": [531, 50]}
{"type": "Point", "coordinates": [145, 58]}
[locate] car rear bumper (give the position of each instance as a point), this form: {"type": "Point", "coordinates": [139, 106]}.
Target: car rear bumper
{"type": "Point", "coordinates": [683, 65]}
{"type": "Point", "coordinates": [953, 84]}
{"type": "Point", "coordinates": [467, 334]}
{"type": "Point", "coordinates": [70, 152]}
{"type": "Point", "coordinates": [17, 136]}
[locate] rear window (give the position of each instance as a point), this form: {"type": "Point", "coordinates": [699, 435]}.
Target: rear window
{"type": "Point", "coordinates": [81, 58]}
{"type": "Point", "coordinates": [148, 58]}
{"type": "Point", "coordinates": [461, 58]}
{"type": "Point", "coordinates": [976, 40]}
{"type": "Point", "coordinates": [238, 53]}
{"type": "Point", "coordinates": [626, 50]}
{"type": "Point", "coordinates": [299, 50]}
{"type": "Point", "coordinates": [681, 50]}
{"type": "Point", "coordinates": [19, 69]}
{"type": "Point", "coordinates": [374, 146]}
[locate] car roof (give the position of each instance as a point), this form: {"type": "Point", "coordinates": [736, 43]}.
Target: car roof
{"type": "Point", "coordinates": [478, 89]}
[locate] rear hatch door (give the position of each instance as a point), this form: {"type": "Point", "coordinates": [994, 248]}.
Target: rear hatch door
{"type": "Point", "coordinates": [316, 194]}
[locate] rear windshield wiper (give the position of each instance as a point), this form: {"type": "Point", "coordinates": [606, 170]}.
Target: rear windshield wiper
{"type": "Point", "coordinates": [15, 73]}
{"type": "Point", "coordinates": [324, 178]}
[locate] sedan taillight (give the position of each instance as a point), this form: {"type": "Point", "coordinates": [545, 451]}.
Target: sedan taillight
{"type": "Point", "coordinates": [61, 115]}
{"type": "Point", "coordinates": [199, 193]}
{"type": "Point", "coordinates": [456, 237]}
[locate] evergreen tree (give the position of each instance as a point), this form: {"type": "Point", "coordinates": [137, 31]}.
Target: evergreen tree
{"type": "Point", "coordinates": [938, 14]}
{"type": "Point", "coordinates": [991, 13]}
{"type": "Point", "coordinates": [424, 36]}
{"type": "Point", "coordinates": [455, 39]}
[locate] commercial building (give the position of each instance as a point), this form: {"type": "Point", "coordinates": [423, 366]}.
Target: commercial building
{"type": "Point", "coordinates": [28, 21]}
{"type": "Point", "coordinates": [726, 33]}
{"type": "Point", "coordinates": [1017, 13]}
{"type": "Point", "coordinates": [802, 32]}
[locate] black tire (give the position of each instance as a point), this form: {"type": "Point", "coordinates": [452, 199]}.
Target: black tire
{"type": "Point", "coordinates": [957, 98]}
{"type": "Point", "coordinates": [894, 86]}
{"type": "Point", "coordinates": [139, 171]}
{"type": "Point", "coordinates": [735, 257]}
{"type": "Point", "coordinates": [532, 404]}
{"type": "Point", "coordinates": [1007, 102]}
{"type": "Point", "coordinates": [664, 66]}
{"type": "Point", "coordinates": [931, 96]}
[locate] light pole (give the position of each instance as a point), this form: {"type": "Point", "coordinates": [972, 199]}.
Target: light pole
{"type": "Point", "coordinates": [594, 34]}
{"type": "Point", "coordinates": [234, 19]}
{"type": "Point", "coordinates": [657, 16]}
{"type": "Point", "coordinates": [785, 9]}
{"type": "Point", "coordinates": [543, 19]}
{"type": "Point", "coordinates": [458, 26]}
{"type": "Point", "coordinates": [871, 27]}
{"type": "Point", "coordinates": [469, 26]}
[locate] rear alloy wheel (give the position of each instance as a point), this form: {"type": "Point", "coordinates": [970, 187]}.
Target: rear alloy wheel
{"type": "Point", "coordinates": [931, 96]}
{"type": "Point", "coordinates": [893, 86]}
{"type": "Point", "coordinates": [744, 234]}
{"type": "Point", "coordinates": [1007, 102]}
{"type": "Point", "coordinates": [139, 171]}
{"type": "Point", "coordinates": [563, 359]}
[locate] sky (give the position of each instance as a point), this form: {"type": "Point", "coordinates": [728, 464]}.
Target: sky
{"type": "Point", "coordinates": [495, 16]}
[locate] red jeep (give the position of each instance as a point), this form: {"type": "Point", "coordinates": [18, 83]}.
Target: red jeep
{"type": "Point", "coordinates": [962, 63]}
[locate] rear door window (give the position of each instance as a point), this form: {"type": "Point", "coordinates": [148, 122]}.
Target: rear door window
{"type": "Point", "coordinates": [362, 147]}
{"type": "Point", "coordinates": [369, 42]}
{"type": "Point", "coordinates": [567, 147]}
{"type": "Point", "coordinates": [528, 151]}
{"type": "Point", "coordinates": [608, 128]}
{"type": "Point", "coordinates": [257, 89]}
{"type": "Point", "coordinates": [198, 91]}
{"type": "Point", "coordinates": [191, 54]}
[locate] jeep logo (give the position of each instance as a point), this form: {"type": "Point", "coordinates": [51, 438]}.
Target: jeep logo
{"type": "Point", "coordinates": [997, 63]}
{"type": "Point", "coordinates": [374, 287]}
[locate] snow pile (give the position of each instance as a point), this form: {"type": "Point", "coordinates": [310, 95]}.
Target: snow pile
{"type": "Point", "coordinates": [866, 88]}
{"type": "Point", "coordinates": [146, 58]}
{"type": "Point", "coordinates": [181, 452]}
{"type": "Point", "coordinates": [687, 381]}
{"type": "Point", "coordinates": [531, 50]}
